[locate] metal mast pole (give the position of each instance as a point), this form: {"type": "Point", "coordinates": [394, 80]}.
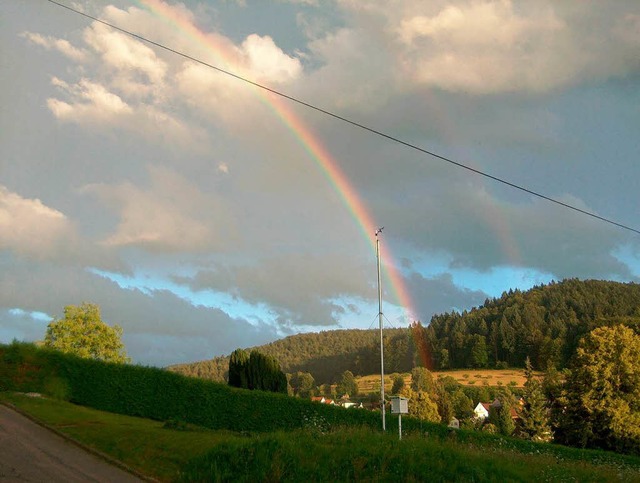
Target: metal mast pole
{"type": "Point", "coordinates": [378, 232]}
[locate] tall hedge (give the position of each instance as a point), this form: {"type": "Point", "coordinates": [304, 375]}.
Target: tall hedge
{"type": "Point", "coordinates": [162, 395]}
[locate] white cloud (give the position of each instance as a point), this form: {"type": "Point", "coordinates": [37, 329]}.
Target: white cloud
{"type": "Point", "coordinates": [501, 46]}
{"type": "Point", "coordinates": [159, 327]}
{"type": "Point", "coordinates": [266, 62]}
{"type": "Point", "coordinates": [32, 229]}
{"type": "Point", "coordinates": [313, 3]}
{"type": "Point", "coordinates": [124, 54]}
{"type": "Point", "coordinates": [61, 45]}
{"type": "Point", "coordinates": [172, 214]}
{"type": "Point", "coordinates": [90, 102]}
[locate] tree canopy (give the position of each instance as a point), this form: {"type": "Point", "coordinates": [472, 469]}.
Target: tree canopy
{"type": "Point", "coordinates": [256, 371]}
{"type": "Point", "coordinates": [83, 333]}
{"type": "Point", "coordinates": [347, 385]}
{"type": "Point", "coordinates": [602, 392]}
{"type": "Point", "coordinates": [544, 323]}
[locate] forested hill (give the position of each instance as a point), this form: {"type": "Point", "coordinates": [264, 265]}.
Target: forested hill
{"type": "Point", "coordinates": [544, 323]}
{"type": "Point", "coordinates": [325, 354]}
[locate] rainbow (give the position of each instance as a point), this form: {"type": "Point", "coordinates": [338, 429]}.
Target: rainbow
{"type": "Point", "coordinates": [304, 136]}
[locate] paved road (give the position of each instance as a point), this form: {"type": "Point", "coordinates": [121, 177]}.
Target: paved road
{"type": "Point", "coordinates": [29, 452]}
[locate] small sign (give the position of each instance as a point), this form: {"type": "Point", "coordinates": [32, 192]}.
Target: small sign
{"type": "Point", "coordinates": [399, 405]}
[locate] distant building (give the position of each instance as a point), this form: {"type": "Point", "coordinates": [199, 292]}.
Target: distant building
{"type": "Point", "coordinates": [481, 411]}
{"type": "Point", "coordinates": [323, 400]}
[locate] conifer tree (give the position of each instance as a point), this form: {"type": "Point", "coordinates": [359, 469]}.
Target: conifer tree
{"type": "Point", "coordinates": [535, 419]}
{"type": "Point", "coordinates": [398, 383]}
{"type": "Point", "coordinates": [238, 367]}
{"type": "Point", "coordinates": [500, 413]}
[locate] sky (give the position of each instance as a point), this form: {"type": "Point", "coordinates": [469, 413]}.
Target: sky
{"type": "Point", "coordinates": [203, 213]}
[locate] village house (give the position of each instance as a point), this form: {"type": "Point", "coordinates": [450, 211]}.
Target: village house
{"type": "Point", "coordinates": [344, 402]}
{"type": "Point", "coordinates": [323, 400]}
{"type": "Point", "coordinates": [482, 410]}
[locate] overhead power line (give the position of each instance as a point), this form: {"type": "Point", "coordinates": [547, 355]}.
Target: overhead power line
{"type": "Point", "coordinates": [352, 122]}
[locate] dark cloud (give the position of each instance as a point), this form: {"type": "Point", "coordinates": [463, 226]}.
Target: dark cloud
{"type": "Point", "coordinates": [119, 157]}
{"type": "Point", "coordinates": [146, 318]}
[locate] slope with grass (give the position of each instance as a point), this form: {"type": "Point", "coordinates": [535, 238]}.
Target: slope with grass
{"type": "Point", "coordinates": [320, 452]}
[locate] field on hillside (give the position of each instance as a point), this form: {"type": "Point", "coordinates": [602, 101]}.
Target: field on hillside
{"type": "Point", "coordinates": [320, 453]}
{"type": "Point", "coordinates": [468, 377]}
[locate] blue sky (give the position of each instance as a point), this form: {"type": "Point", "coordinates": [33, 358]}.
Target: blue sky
{"type": "Point", "coordinates": [169, 195]}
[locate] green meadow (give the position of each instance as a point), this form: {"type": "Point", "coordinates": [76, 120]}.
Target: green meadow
{"type": "Point", "coordinates": [176, 428]}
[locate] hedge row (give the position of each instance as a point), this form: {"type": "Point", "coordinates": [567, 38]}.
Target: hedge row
{"type": "Point", "coordinates": [162, 395]}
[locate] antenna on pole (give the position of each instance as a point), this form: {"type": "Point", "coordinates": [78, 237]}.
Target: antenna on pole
{"type": "Point", "coordinates": [378, 232]}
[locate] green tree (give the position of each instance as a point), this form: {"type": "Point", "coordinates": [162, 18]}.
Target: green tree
{"type": "Point", "coordinates": [535, 419]}
{"type": "Point", "coordinates": [422, 380]}
{"type": "Point", "coordinates": [421, 405]}
{"type": "Point", "coordinates": [443, 402]}
{"type": "Point", "coordinates": [83, 333]}
{"type": "Point", "coordinates": [264, 373]}
{"type": "Point", "coordinates": [443, 360]}
{"type": "Point", "coordinates": [398, 383]}
{"type": "Point", "coordinates": [462, 405]}
{"type": "Point", "coordinates": [256, 371]}
{"type": "Point", "coordinates": [479, 354]}
{"type": "Point", "coordinates": [303, 384]}
{"type": "Point", "coordinates": [500, 413]}
{"type": "Point", "coordinates": [347, 385]}
{"type": "Point", "coordinates": [327, 391]}
{"type": "Point", "coordinates": [602, 392]}
{"type": "Point", "coordinates": [238, 369]}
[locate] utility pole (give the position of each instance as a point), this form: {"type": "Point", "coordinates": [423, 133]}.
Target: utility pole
{"type": "Point", "coordinates": [378, 232]}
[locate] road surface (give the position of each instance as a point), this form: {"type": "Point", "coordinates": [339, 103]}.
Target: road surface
{"type": "Point", "coordinates": [29, 452]}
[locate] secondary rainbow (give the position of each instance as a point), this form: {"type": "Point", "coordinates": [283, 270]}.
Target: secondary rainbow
{"type": "Point", "coordinates": [304, 136]}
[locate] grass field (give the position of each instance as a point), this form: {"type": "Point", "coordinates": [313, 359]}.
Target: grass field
{"type": "Point", "coordinates": [141, 444]}
{"type": "Point", "coordinates": [467, 377]}
{"type": "Point", "coordinates": [321, 453]}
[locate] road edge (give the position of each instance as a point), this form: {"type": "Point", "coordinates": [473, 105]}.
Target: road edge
{"type": "Point", "coordinates": [104, 456]}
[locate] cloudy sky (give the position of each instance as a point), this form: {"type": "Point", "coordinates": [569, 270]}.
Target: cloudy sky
{"type": "Point", "coordinates": [203, 214]}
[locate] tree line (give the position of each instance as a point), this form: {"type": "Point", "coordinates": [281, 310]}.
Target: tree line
{"type": "Point", "coordinates": [325, 354]}
{"type": "Point", "coordinates": [544, 323]}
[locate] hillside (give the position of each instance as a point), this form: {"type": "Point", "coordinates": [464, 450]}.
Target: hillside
{"type": "Point", "coordinates": [544, 323]}
{"type": "Point", "coordinates": [188, 429]}
{"type": "Point", "coordinates": [325, 354]}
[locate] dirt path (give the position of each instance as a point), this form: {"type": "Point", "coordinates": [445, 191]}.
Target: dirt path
{"type": "Point", "coordinates": [29, 452]}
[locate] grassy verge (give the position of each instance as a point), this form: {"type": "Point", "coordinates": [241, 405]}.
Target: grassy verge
{"type": "Point", "coordinates": [365, 455]}
{"type": "Point", "coordinates": [320, 453]}
{"type": "Point", "coordinates": [142, 444]}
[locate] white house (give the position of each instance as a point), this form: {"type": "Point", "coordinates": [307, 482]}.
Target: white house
{"type": "Point", "coordinates": [482, 411]}
{"type": "Point", "coordinates": [323, 400]}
